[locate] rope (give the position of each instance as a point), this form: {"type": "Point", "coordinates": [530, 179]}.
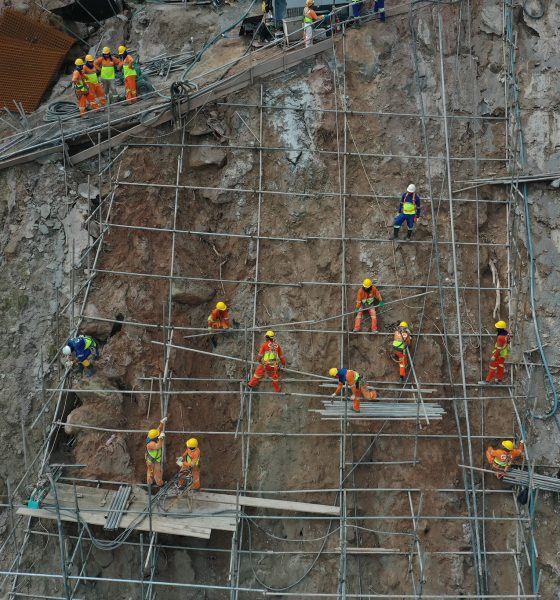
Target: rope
{"type": "Point", "coordinates": [61, 108]}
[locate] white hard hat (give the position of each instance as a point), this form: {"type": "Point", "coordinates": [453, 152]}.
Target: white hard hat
{"type": "Point", "coordinates": [66, 350]}
{"type": "Point", "coordinates": [411, 188]}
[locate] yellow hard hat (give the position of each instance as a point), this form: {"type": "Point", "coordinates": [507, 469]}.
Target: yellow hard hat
{"type": "Point", "coordinates": [500, 325]}
{"type": "Point", "coordinates": [122, 49]}
{"type": "Point", "coordinates": [192, 443]}
{"type": "Point", "coordinates": [106, 50]}
{"type": "Point", "coordinates": [86, 363]}
{"type": "Point", "coordinates": [89, 58]}
{"type": "Point", "coordinates": [79, 62]}
{"type": "Point", "coordinates": [221, 306]}
{"type": "Point", "coordinates": [403, 324]}
{"type": "Point", "coordinates": [508, 445]}
{"type": "Point", "coordinates": [333, 372]}
{"type": "Point", "coordinates": [153, 434]}
{"type": "Point", "coordinates": [367, 283]}
{"type": "Point", "coordinates": [270, 333]}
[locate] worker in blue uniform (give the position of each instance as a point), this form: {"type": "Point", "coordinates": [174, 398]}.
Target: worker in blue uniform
{"type": "Point", "coordinates": [85, 350]}
{"type": "Point", "coordinates": [409, 211]}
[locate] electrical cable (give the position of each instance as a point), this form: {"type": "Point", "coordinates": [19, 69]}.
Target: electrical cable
{"type": "Point", "coordinates": [60, 108]}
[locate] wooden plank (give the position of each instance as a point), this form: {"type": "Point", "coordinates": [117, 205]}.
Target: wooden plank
{"type": "Point", "coordinates": [305, 507]}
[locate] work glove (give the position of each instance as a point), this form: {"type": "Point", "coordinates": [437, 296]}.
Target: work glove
{"type": "Point", "coordinates": [164, 420]}
{"type": "Point", "coordinates": [161, 435]}
{"type": "Point", "coordinates": [380, 304]}
{"type": "Point", "coordinates": [415, 219]}
{"type": "Point", "coordinates": [334, 395]}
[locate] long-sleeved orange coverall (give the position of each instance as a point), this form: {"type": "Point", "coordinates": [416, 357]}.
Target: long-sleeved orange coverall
{"type": "Point", "coordinates": [365, 303]}
{"type": "Point", "coordinates": [270, 356]}
{"type": "Point", "coordinates": [501, 459]}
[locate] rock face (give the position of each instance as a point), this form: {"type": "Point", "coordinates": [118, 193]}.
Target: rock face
{"type": "Point", "coordinates": [93, 414]}
{"type": "Point", "coordinates": [100, 330]}
{"type": "Point", "coordinates": [192, 293]}
{"type": "Point", "coordinates": [98, 390]}
{"type": "Point", "coordinates": [201, 157]}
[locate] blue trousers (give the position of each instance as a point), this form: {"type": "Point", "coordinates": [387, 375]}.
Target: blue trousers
{"type": "Point", "coordinates": [401, 218]}
{"type": "Point", "coordinates": [356, 9]}
{"type": "Point", "coordinates": [379, 6]}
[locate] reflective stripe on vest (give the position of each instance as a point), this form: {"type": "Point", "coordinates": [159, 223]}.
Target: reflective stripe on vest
{"type": "Point", "coordinates": [155, 455]}
{"type": "Point", "coordinates": [91, 77]}
{"type": "Point", "coordinates": [504, 352]}
{"type": "Point", "coordinates": [128, 71]}
{"type": "Point", "coordinates": [270, 356]}
{"type": "Point", "coordinates": [498, 462]}
{"type": "Point", "coordinates": [409, 208]}
{"type": "Point", "coordinates": [370, 300]}
{"type": "Point", "coordinates": [107, 72]}
{"type": "Point", "coordinates": [190, 460]}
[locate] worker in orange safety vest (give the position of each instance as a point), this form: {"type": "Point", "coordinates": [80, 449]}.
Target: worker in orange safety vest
{"type": "Point", "coordinates": [191, 461]}
{"type": "Point", "coordinates": [83, 94]}
{"type": "Point", "coordinates": [91, 72]}
{"type": "Point", "coordinates": [367, 295]}
{"type": "Point", "coordinates": [107, 63]}
{"type": "Point", "coordinates": [270, 357]}
{"type": "Point", "coordinates": [129, 74]}
{"type": "Point", "coordinates": [500, 353]}
{"type": "Point", "coordinates": [401, 341]}
{"type": "Point", "coordinates": [358, 388]}
{"type": "Point", "coordinates": [219, 317]}
{"type": "Point", "coordinates": [154, 454]}
{"type": "Point", "coordinates": [501, 459]}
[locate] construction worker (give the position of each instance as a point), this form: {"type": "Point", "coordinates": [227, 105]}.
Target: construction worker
{"type": "Point", "coordinates": [367, 295]}
{"type": "Point", "coordinates": [409, 211]}
{"type": "Point", "coordinates": [357, 386]}
{"type": "Point", "coordinates": [501, 459]}
{"type": "Point", "coordinates": [219, 317]}
{"type": "Point", "coordinates": [191, 460]}
{"type": "Point", "coordinates": [129, 74]}
{"type": "Point", "coordinates": [107, 64]}
{"type": "Point", "coordinates": [500, 353]}
{"type": "Point", "coordinates": [309, 18]}
{"type": "Point", "coordinates": [80, 83]}
{"type": "Point", "coordinates": [401, 341]}
{"type": "Point", "coordinates": [85, 350]}
{"type": "Point", "coordinates": [356, 10]}
{"type": "Point", "coordinates": [270, 357]}
{"type": "Point", "coordinates": [379, 8]}
{"type": "Point", "coordinates": [154, 454]}
{"type": "Point", "coordinates": [95, 88]}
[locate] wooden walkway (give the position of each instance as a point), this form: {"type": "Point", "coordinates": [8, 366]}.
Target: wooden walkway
{"type": "Point", "coordinates": [210, 511]}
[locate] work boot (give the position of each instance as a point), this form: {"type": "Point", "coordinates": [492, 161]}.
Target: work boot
{"type": "Point", "coordinates": [396, 233]}
{"type": "Point", "coordinates": [409, 234]}
{"type": "Point", "coordinates": [402, 379]}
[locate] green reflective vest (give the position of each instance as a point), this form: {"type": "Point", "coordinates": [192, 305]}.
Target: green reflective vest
{"type": "Point", "coordinates": [128, 71]}
{"type": "Point", "coordinates": [270, 357]}
{"type": "Point", "coordinates": [91, 77]}
{"type": "Point", "coordinates": [154, 455]}
{"type": "Point", "coordinates": [409, 208]}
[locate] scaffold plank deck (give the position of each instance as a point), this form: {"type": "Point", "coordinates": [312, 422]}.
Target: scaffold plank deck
{"type": "Point", "coordinates": [371, 411]}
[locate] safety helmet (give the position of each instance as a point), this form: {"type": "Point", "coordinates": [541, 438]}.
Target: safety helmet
{"type": "Point", "coordinates": [269, 334]}
{"type": "Point", "coordinates": [79, 62]}
{"type": "Point", "coordinates": [89, 58]}
{"type": "Point", "coordinates": [333, 372]}
{"type": "Point", "coordinates": [122, 49]}
{"type": "Point", "coordinates": [221, 306]}
{"type": "Point", "coordinates": [308, 2]}
{"type": "Point", "coordinates": [86, 363]}
{"type": "Point", "coordinates": [367, 283]}
{"type": "Point", "coordinates": [192, 443]}
{"type": "Point", "coordinates": [66, 350]}
{"type": "Point", "coordinates": [153, 434]}
{"type": "Point", "coordinates": [411, 188]}
{"type": "Point", "coordinates": [508, 445]}
{"type": "Point", "coordinates": [500, 325]}
{"type": "Point", "coordinates": [106, 50]}
{"type": "Point", "coordinates": [403, 324]}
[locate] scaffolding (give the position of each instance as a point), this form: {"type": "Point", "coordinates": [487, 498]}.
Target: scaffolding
{"type": "Point", "coordinates": [374, 526]}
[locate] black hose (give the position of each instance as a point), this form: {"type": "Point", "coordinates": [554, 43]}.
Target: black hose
{"type": "Point", "coordinates": [60, 109]}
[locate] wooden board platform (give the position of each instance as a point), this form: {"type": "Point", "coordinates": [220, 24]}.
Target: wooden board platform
{"type": "Point", "coordinates": [210, 511]}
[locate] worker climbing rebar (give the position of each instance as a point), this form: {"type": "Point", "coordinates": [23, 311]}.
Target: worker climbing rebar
{"type": "Point", "coordinates": [367, 295]}
{"type": "Point", "coordinates": [270, 357]}
{"type": "Point", "coordinates": [409, 211]}
{"type": "Point", "coordinates": [191, 462]}
{"type": "Point", "coordinates": [501, 459]}
{"type": "Point", "coordinates": [129, 74]}
{"type": "Point", "coordinates": [379, 9]}
{"type": "Point", "coordinates": [358, 388]}
{"type": "Point", "coordinates": [81, 88]}
{"type": "Point", "coordinates": [155, 442]}
{"type": "Point", "coordinates": [310, 17]}
{"type": "Point", "coordinates": [402, 339]}
{"type": "Point", "coordinates": [218, 319]}
{"type": "Point", "coordinates": [91, 72]}
{"type": "Point", "coordinates": [85, 350]}
{"type": "Point", "coordinates": [107, 63]}
{"type": "Point", "coordinates": [499, 353]}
